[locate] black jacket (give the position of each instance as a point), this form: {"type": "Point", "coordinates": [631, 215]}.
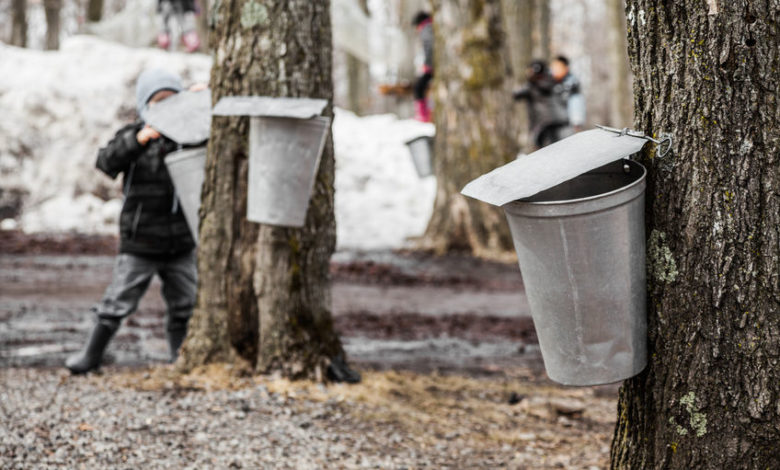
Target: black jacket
{"type": "Point", "coordinates": [152, 222]}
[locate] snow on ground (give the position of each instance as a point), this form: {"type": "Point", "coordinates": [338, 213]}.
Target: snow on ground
{"type": "Point", "coordinates": [60, 107]}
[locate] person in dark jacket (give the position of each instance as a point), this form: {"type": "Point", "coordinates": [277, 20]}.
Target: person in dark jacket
{"type": "Point", "coordinates": [538, 93]}
{"type": "Point", "coordinates": [423, 21]}
{"type": "Point", "coordinates": [154, 235]}
{"type": "Point", "coordinates": [177, 14]}
{"type": "Point", "coordinates": [568, 100]}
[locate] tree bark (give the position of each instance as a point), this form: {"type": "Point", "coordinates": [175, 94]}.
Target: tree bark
{"type": "Point", "coordinates": [359, 79]}
{"type": "Point", "coordinates": [19, 23]}
{"type": "Point", "coordinates": [541, 32]}
{"type": "Point", "coordinates": [518, 25]}
{"type": "Point", "coordinates": [710, 396]}
{"type": "Point", "coordinates": [52, 10]}
{"type": "Point", "coordinates": [621, 96]}
{"type": "Point", "coordinates": [94, 10]}
{"type": "Point", "coordinates": [474, 130]}
{"type": "Point", "coordinates": [264, 299]}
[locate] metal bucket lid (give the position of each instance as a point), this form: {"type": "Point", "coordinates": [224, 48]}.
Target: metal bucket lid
{"type": "Point", "coordinates": [267, 106]}
{"type": "Point", "coordinates": [552, 165]}
{"type": "Point", "coordinates": [185, 117]}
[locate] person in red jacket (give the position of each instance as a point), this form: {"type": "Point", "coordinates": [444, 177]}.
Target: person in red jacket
{"type": "Point", "coordinates": [423, 21]}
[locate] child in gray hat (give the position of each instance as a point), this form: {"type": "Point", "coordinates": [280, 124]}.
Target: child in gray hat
{"type": "Point", "coordinates": [153, 233]}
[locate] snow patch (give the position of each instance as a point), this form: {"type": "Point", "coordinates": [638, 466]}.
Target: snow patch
{"type": "Point", "coordinates": [61, 107]}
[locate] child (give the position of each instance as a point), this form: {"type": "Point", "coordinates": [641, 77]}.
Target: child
{"type": "Point", "coordinates": [423, 21]}
{"type": "Point", "coordinates": [154, 236]}
{"type": "Point", "coordinates": [182, 13]}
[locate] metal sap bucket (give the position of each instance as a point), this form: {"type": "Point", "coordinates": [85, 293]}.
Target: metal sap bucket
{"type": "Point", "coordinates": [187, 170]}
{"type": "Point", "coordinates": [581, 250]}
{"type": "Point", "coordinates": [421, 149]}
{"type": "Point", "coordinates": [284, 157]}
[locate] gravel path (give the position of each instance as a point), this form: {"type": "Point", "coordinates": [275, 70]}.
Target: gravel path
{"type": "Point", "coordinates": [119, 421]}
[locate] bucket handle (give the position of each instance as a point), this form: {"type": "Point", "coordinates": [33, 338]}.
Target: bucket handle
{"type": "Point", "coordinates": [666, 139]}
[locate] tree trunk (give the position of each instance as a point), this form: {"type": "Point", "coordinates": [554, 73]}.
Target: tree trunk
{"type": "Point", "coordinates": [94, 10]}
{"type": "Point", "coordinates": [621, 102]}
{"type": "Point", "coordinates": [710, 397]}
{"type": "Point", "coordinates": [474, 131]}
{"type": "Point", "coordinates": [19, 23]}
{"type": "Point", "coordinates": [264, 299]}
{"type": "Point", "coordinates": [359, 79]}
{"type": "Point", "coordinates": [518, 25]}
{"type": "Point", "coordinates": [52, 9]}
{"type": "Point", "coordinates": [541, 32]}
{"type": "Point", "coordinates": [202, 25]}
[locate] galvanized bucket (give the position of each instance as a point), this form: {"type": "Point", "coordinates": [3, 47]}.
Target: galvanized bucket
{"type": "Point", "coordinates": [187, 170]}
{"type": "Point", "coordinates": [421, 149]}
{"type": "Point", "coordinates": [283, 160]}
{"type": "Point", "coordinates": [581, 250]}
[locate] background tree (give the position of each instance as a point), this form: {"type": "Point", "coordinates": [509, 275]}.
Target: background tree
{"type": "Point", "coordinates": [518, 25]}
{"type": "Point", "coordinates": [542, 38]}
{"type": "Point", "coordinates": [620, 77]}
{"type": "Point", "coordinates": [19, 23]}
{"type": "Point", "coordinates": [359, 79]}
{"type": "Point", "coordinates": [52, 10]}
{"type": "Point", "coordinates": [264, 297]}
{"type": "Point", "coordinates": [474, 125]}
{"type": "Point", "coordinates": [710, 397]}
{"type": "Point", "coordinates": [94, 10]}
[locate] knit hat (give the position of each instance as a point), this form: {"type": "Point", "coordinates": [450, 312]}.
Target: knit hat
{"type": "Point", "coordinates": [150, 82]}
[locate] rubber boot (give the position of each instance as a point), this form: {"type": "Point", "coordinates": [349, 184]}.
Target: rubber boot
{"type": "Point", "coordinates": [421, 110]}
{"type": "Point", "coordinates": [339, 371]}
{"type": "Point", "coordinates": [163, 40]}
{"type": "Point", "coordinates": [191, 41]}
{"type": "Point", "coordinates": [90, 356]}
{"type": "Point", "coordinates": [175, 339]}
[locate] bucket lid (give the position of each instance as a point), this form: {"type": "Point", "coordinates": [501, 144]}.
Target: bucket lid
{"type": "Point", "coordinates": [267, 106]}
{"type": "Point", "coordinates": [552, 165]}
{"type": "Point", "coordinates": [185, 117]}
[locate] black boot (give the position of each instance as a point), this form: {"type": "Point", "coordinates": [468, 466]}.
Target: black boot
{"type": "Point", "coordinates": [90, 356]}
{"type": "Point", "coordinates": [339, 371]}
{"type": "Point", "coordinates": [175, 338]}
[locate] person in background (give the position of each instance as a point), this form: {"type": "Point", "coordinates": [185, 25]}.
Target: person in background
{"type": "Point", "coordinates": [423, 21]}
{"type": "Point", "coordinates": [154, 237]}
{"type": "Point", "coordinates": [568, 99]}
{"type": "Point", "coordinates": [182, 12]}
{"type": "Point", "coordinates": [538, 94]}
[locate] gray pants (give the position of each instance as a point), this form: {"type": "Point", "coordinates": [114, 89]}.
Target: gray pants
{"type": "Point", "coordinates": [132, 276]}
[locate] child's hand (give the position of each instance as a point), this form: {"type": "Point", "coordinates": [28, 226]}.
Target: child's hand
{"type": "Point", "coordinates": [198, 87]}
{"type": "Point", "coordinates": [146, 134]}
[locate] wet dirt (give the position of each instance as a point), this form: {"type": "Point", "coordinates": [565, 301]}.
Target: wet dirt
{"type": "Point", "coordinates": [399, 310]}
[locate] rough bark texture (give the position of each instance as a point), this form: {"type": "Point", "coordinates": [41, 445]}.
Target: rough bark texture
{"type": "Point", "coordinates": [710, 398]}
{"type": "Point", "coordinates": [264, 297]}
{"type": "Point", "coordinates": [620, 75]}
{"type": "Point", "coordinates": [19, 23]}
{"type": "Point", "coordinates": [94, 10]}
{"type": "Point", "coordinates": [474, 130]}
{"type": "Point", "coordinates": [52, 10]}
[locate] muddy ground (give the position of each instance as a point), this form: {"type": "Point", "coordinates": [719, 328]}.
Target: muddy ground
{"type": "Point", "coordinates": [453, 376]}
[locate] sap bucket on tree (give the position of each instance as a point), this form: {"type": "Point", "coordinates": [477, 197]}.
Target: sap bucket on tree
{"type": "Point", "coordinates": [576, 213]}
{"type": "Point", "coordinates": [185, 118]}
{"type": "Point", "coordinates": [421, 149]}
{"type": "Point", "coordinates": [286, 140]}
{"type": "Point", "coordinates": [186, 168]}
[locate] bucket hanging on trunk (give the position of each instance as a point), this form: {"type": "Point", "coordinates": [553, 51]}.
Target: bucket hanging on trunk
{"type": "Point", "coordinates": [576, 213]}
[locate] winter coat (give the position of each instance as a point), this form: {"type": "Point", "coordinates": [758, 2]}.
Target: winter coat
{"type": "Point", "coordinates": [151, 222]}
{"type": "Point", "coordinates": [538, 93]}
{"type": "Point", "coordinates": [426, 36]}
{"type": "Point", "coordinates": [568, 102]}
